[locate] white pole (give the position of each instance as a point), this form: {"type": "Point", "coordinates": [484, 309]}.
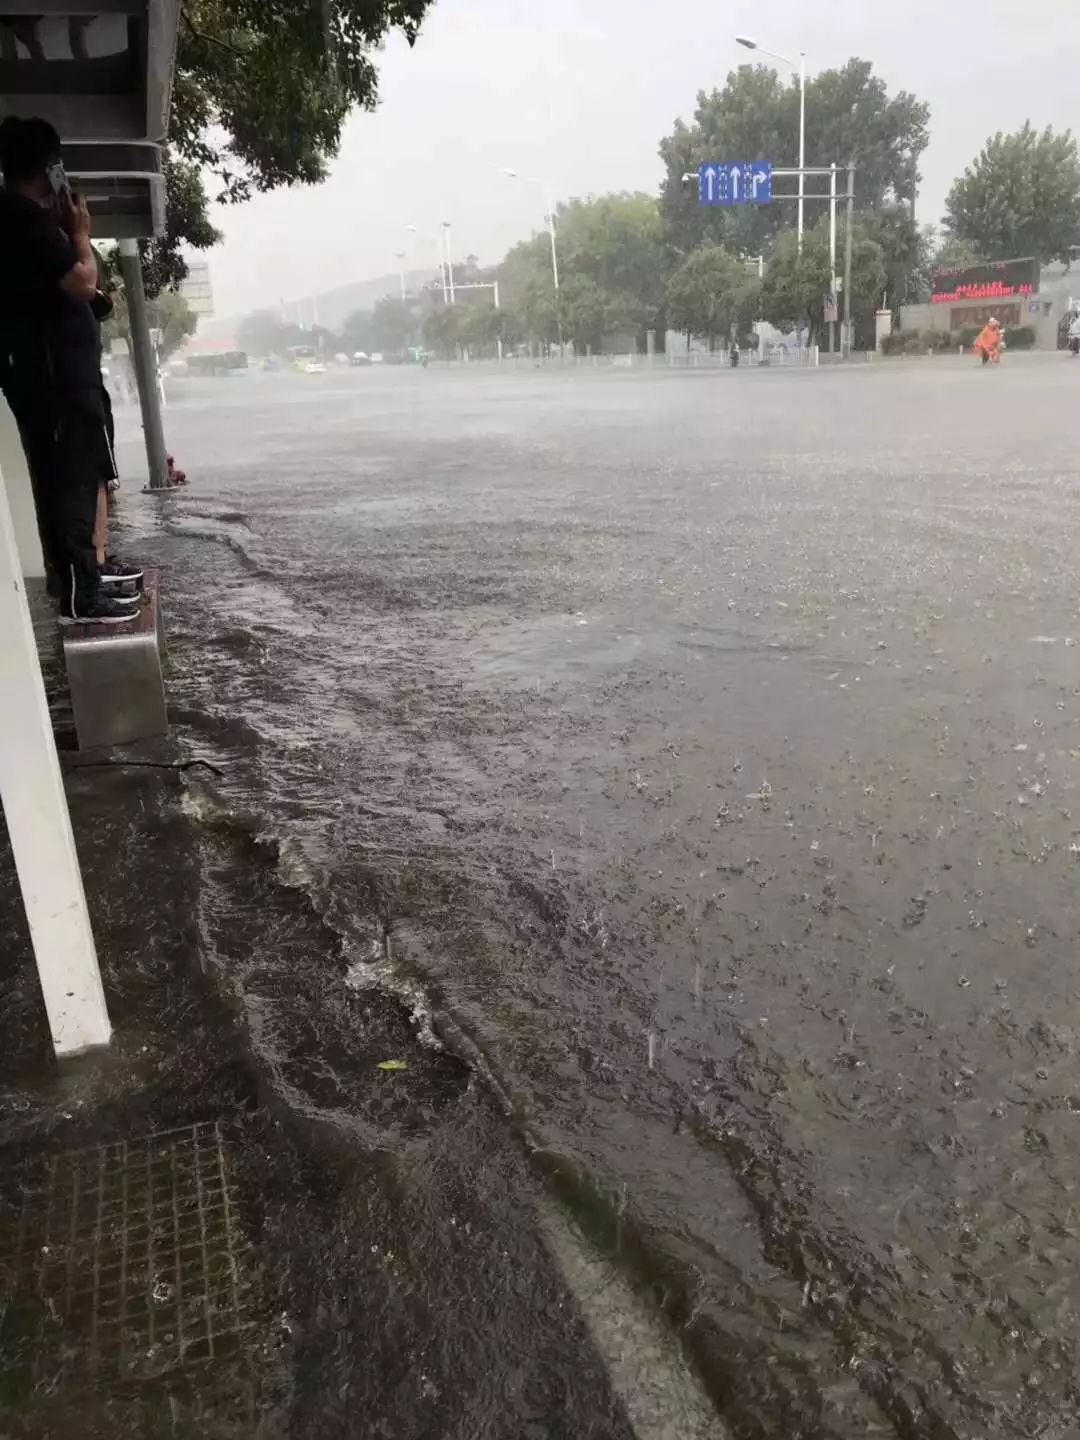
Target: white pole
{"type": "Point", "coordinates": [440, 239]}
{"type": "Point", "coordinates": [449, 262]}
{"type": "Point", "coordinates": [401, 273]}
{"type": "Point", "coordinates": [802, 141]}
{"type": "Point", "coordinates": [554, 246]}
{"type": "Point", "coordinates": [832, 253]}
{"type": "Point", "coordinates": [35, 809]}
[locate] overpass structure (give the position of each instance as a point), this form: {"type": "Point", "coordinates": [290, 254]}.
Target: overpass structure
{"type": "Point", "coordinates": [101, 71]}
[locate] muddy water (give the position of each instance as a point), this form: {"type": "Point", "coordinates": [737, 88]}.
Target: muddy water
{"type": "Point", "coordinates": [707, 748]}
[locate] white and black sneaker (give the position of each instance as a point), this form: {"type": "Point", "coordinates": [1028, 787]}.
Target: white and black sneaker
{"type": "Point", "coordinates": [116, 573]}
{"type": "Point", "coordinates": [102, 610]}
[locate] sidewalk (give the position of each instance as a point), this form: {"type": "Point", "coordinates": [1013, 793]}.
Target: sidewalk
{"type": "Point", "coordinates": [185, 1252]}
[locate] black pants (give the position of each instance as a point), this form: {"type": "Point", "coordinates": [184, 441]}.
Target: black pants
{"type": "Point", "coordinates": [67, 451]}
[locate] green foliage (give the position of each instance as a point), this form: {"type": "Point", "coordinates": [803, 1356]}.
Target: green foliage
{"type": "Point", "coordinates": [442, 330]}
{"type": "Point", "coordinates": [169, 314]}
{"type": "Point", "coordinates": [264, 333]}
{"type": "Point", "coordinates": [955, 254]}
{"type": "Point", "coordinates": [942, 341]}
{"type": "Point", "coordinates": [261, 92]}
{"type": "Point", "coordinates": [895, 343]}
{"type": "Point", "coordinates": [795, 285]}
{"type": "Point", "coordinates": [587, 313]}
{"type": "Point", "coordinates": [393, 324]}
{"type": "Point", "coordinates": [186, 222]}
{"type": "Point", "coordinates": [1021, 196]}
{"type": "Point", "coordinates": [757, 115]}
{"type": "Point", "coordinates": [613, 265]}
{"type": "Point", "coordinates": [1020, 337]}
{"type": "Point", "coordinates": [712, 294]}
{"type": "Point", "coordinates": [358, 332]}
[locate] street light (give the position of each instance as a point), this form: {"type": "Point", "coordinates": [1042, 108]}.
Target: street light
{"type": "Point", "coordinates": [442, 265]}
{"type": "Point", "coordinates": [449, 260]}
{"type": "Point", "coordinates": [401, 273]}
{"type": "Point", "coordinates": [532, 180]}
{"type": "Point", "coordinates": [749, 44]}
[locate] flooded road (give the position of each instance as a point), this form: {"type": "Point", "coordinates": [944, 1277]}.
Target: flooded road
{"type": "Point", "coordinates": [704, 748]}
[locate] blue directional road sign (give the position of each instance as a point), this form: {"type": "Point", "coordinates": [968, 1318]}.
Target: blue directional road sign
{"type": "Point", "coordinates": [735, 182]}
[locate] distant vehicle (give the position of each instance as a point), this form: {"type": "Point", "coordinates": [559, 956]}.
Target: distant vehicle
{"type": "Point", "coordinates": [314, 367]}
{"type": "Point", "coordinates": [225, 362]}
{"type": "Point", "coordinates": [359, 357]}
{"type": "Point", "coordinates": [301, 356]}
{"type": "Point", "coordinates": [271, 363]}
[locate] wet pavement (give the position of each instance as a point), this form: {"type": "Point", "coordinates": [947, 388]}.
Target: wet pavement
{"type": "Point", "coordinates": [697, 754]}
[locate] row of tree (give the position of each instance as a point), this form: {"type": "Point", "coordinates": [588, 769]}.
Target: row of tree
{"type": "Point", "coordinates": [261, 95]}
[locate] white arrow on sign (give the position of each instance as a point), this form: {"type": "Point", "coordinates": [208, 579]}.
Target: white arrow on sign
{"type": "Point", "coordinates": [760, 178]}
{"type": "Point", "coordinates": [736, 181]}
{"type": "Point", "coordinates": [710, 183]}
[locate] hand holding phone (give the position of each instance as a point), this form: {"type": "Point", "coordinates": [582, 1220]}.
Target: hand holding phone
{"type": "Point", "coordinates": [74, 216]}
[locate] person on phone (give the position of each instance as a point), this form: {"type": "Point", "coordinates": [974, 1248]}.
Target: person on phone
{"type": "Point", "coordinates": [50, 362]}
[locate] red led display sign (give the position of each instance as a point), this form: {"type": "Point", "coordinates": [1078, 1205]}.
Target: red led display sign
{"type": "Point", "coordinates": [994, 280]}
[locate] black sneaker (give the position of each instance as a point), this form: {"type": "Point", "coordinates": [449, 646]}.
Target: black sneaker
{"type": "Point", "coordinates": [101, 611]}
{"type": "Point", "coordinates": [115, 572]}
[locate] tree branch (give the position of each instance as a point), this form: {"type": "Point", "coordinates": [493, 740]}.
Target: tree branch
{"type": "Point", "coordinates": [209, 39]}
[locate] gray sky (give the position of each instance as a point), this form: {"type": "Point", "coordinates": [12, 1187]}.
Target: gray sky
{"type": "Point", "coordinates": [579, 92]}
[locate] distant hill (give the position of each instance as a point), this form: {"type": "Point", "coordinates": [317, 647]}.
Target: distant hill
{"type": "Point", "coordinates": [333, 307]}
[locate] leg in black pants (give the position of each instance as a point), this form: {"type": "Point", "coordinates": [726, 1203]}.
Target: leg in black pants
{"type": "Point", "coordinates": [65, 451]}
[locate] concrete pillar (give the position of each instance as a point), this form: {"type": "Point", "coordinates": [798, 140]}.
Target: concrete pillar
{"type": "Point", "coordinates": [36, 814]}
{"type": "Point", "coordinates": [883, 325]}
{"type": "Point", "coordinates": [145, 365]}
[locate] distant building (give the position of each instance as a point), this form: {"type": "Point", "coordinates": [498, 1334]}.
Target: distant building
{"type": "Point", "coordinates": [198, 289]}
{"type": "Point", "coordinates": [1017, 292]}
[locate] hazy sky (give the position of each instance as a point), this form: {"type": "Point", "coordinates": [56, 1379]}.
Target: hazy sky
{"type": "Point", "coordinates": [579, 92]}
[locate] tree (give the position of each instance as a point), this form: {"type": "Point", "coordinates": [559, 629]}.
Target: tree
{"type": "Point", "coordinates": [169, 314]}
{"type": "Point", "coordinates": [264, 333]}
{"type": "Point", "coordinates": [711, 294]}
{"type": "Point", "coordinates": [794, 289]}
{"type": "Point", "coordinates": [358, 332]}
{"type": "Point", "coordinates": [954, 254]}
{"type": "Point", "coordinates": [261, 92]}
{"type": "Point", "coordinates": [756, 116]}
{"type": "Point", "coordinates": [1020, 196]}
{"type": "Point", "coordinates": [393, 324]}
{"type": "Point", "coordinates": [442, 330]}
{"type": "Point", "coordinates": [587, 313]}
{"type": "Point", "coordinates": [611, 244]}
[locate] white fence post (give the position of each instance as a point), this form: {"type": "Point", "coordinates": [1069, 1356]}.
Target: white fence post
{"type": "Point", "coordinates": [35, 809]}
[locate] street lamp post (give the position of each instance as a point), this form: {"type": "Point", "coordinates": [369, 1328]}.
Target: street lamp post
{"type": "Point", "coordinates": [449, 261]}
{"type": "Point", "coordinates": [550, 199]}
{"type": "Point", "coordinates": [401, 273]}
{"type": "Point", "coordinates": [749, 44]}
{"type": "Point", "coordinates": [442, 263]}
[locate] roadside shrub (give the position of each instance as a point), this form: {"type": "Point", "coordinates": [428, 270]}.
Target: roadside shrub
{"type": "Point", "coordinates": [894, 343]}
{"type": "Point", "coordinates": [915, 343]}
{"type": "Point", "coordinates": [1019, 337]}
{"type": "Point", "coordinates": [942, 342]}
{"type": "Point", "coordinates": [966, 336]}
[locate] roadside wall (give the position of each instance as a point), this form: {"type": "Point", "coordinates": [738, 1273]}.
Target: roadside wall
{"type": "Point", "coordinates": [1043, 312]}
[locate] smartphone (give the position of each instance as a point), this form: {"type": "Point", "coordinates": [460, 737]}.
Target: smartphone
{"type": "Point", "coordinates": [58, 179]}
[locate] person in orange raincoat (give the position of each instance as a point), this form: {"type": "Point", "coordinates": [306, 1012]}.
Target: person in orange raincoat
{"type": "Point", "coordinates": [990, 342]}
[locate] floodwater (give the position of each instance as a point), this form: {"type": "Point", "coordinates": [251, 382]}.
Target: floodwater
{"type": "Point", "coordinates": [704, 750]}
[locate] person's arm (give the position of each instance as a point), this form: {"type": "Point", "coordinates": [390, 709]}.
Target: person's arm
{"type": "Point", "coordinates": [80, 281]}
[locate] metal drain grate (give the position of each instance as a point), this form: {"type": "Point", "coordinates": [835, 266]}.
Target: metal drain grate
{"type": "Point", "coordinates": [131, 1256]}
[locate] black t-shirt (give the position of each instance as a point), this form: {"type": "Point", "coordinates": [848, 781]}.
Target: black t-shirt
{"type": "Point", "coordinates": [48, 341]}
